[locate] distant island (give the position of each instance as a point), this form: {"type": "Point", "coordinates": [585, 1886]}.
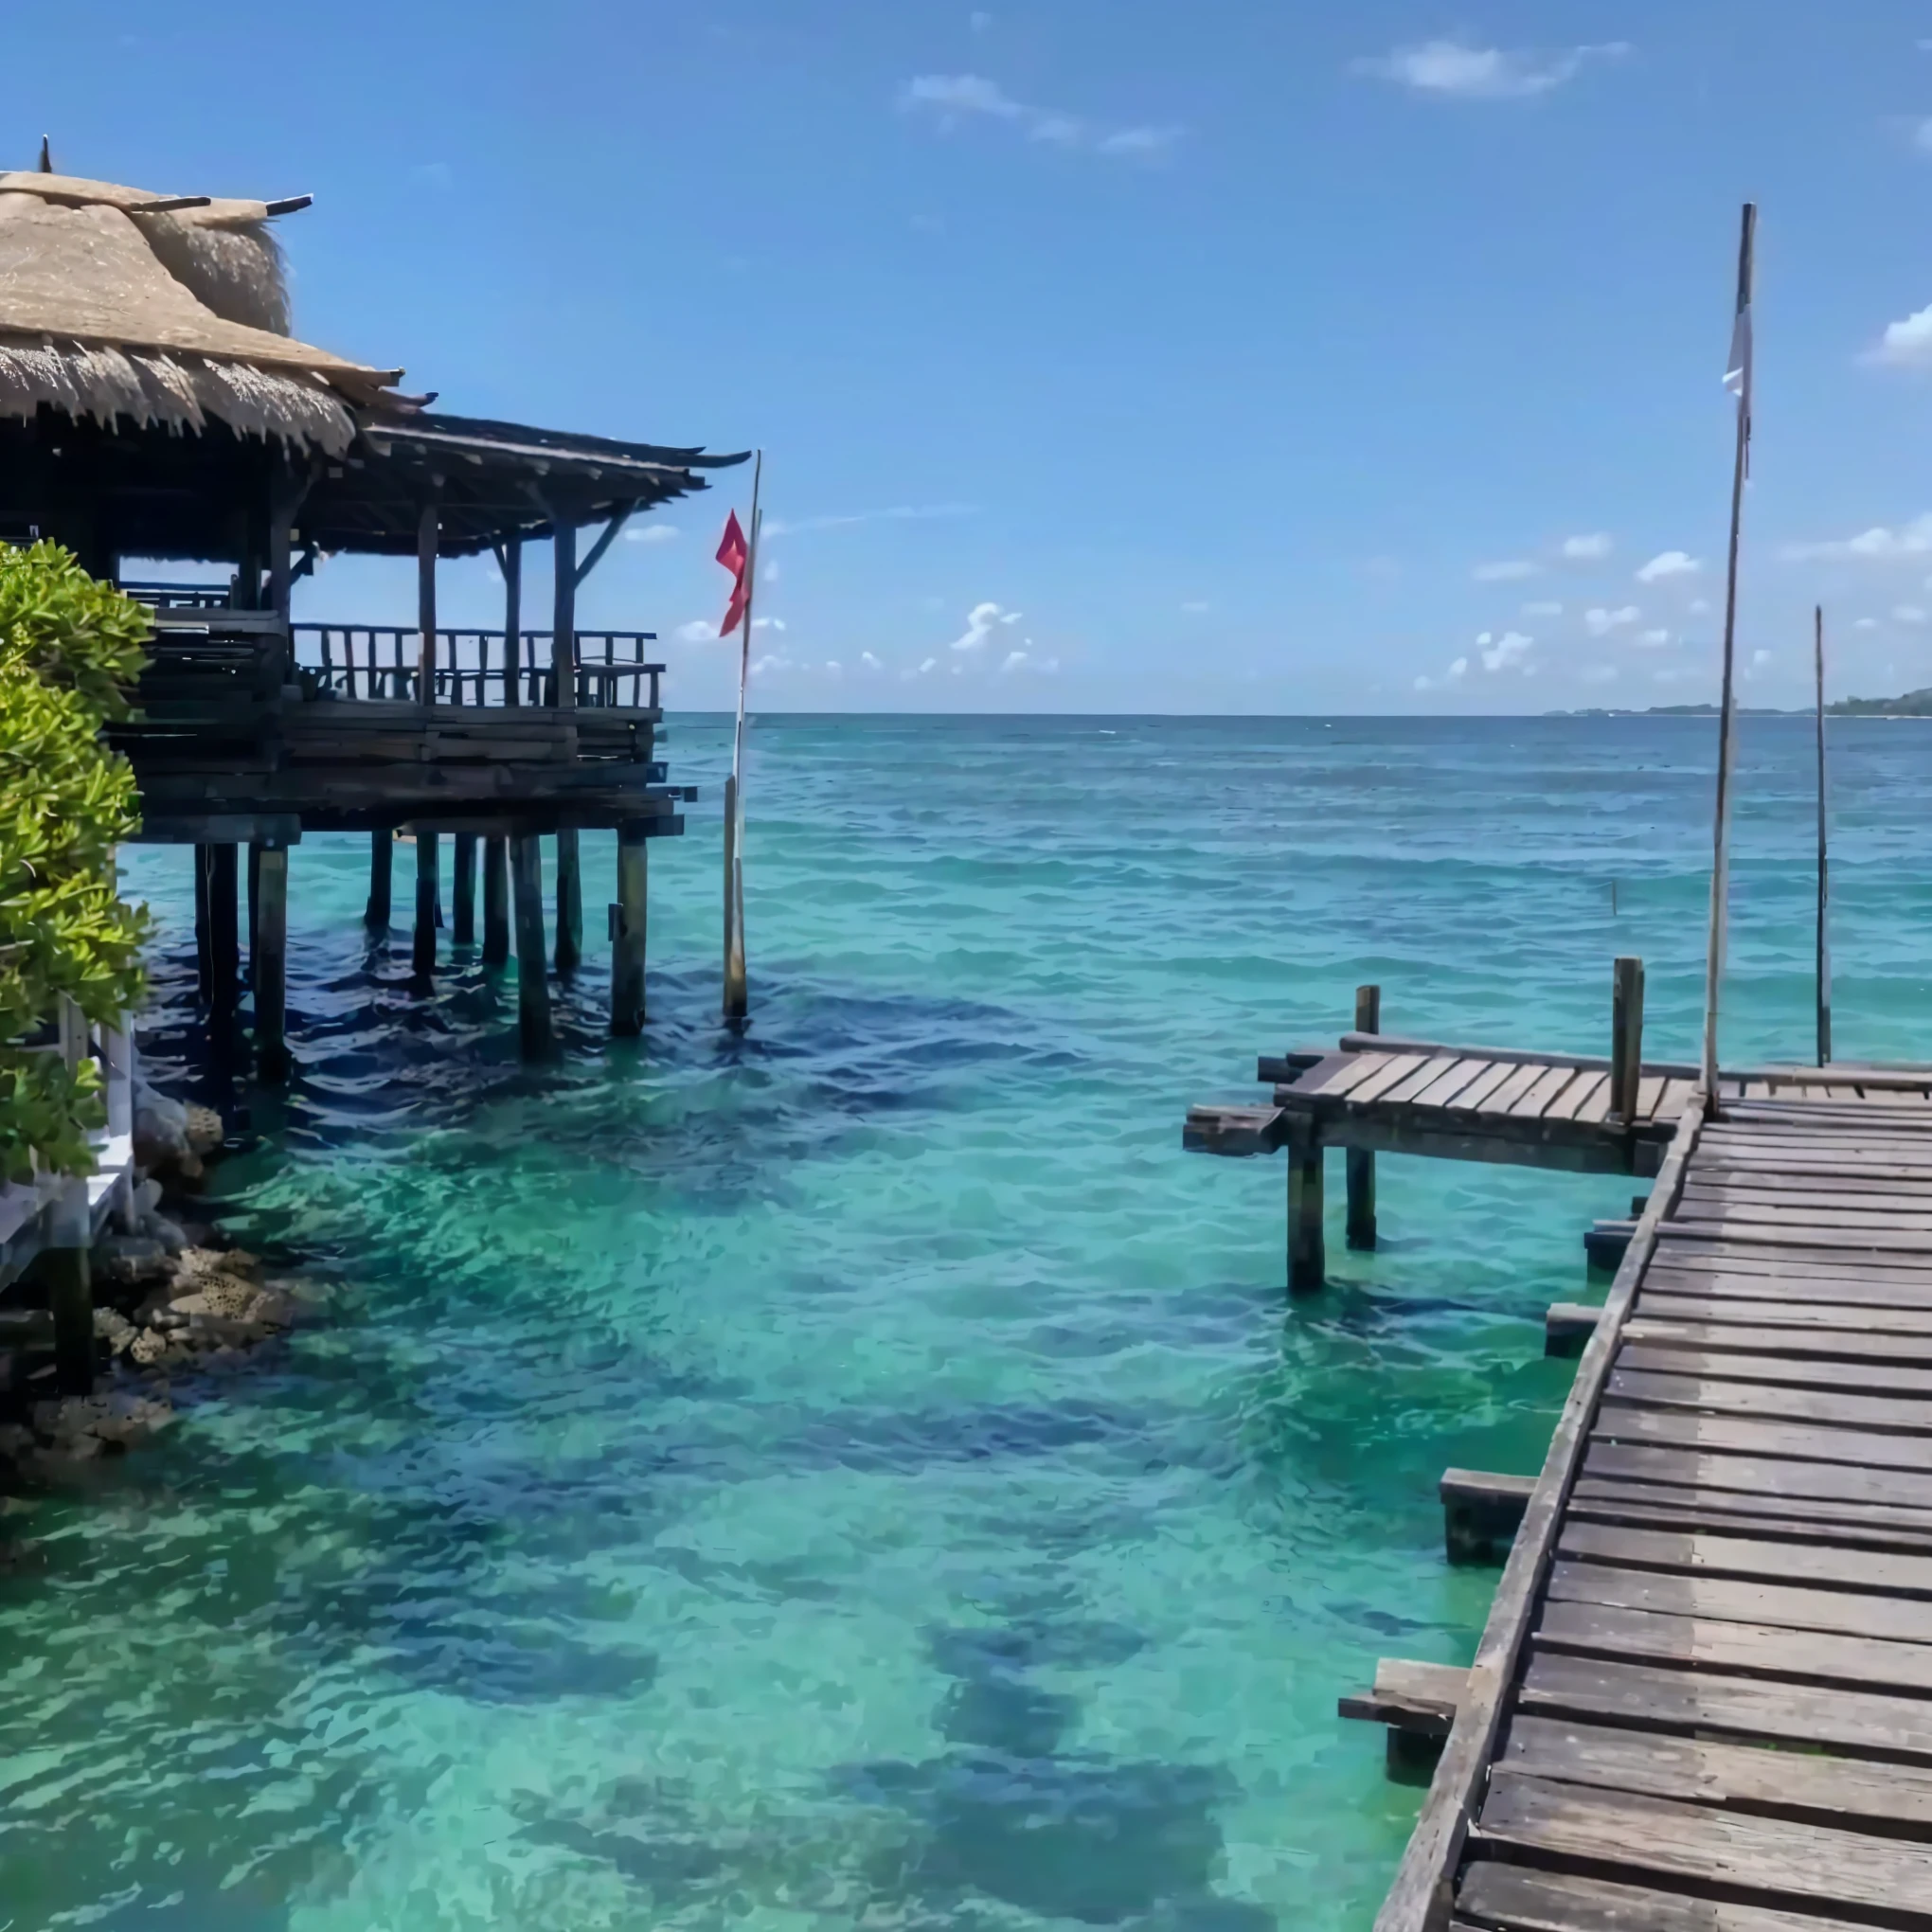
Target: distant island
{"type": "Point", "coordinates": [1912, 704]}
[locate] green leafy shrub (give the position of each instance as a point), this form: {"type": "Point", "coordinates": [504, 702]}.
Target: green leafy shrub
{"type": "Point", "coordinates": [69, 649]}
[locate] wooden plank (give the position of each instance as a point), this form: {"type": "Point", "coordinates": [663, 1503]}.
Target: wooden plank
{"type": "Point", "coordinates": [1398, 1068]}
{"type": "Point", "coordinates": [1818, 1239]}
{"type": "Point", "coordinates": [1852, 1720]}
{"type": "Point", "coordinates": [1535, 1102]}
{"type": "Point", "coordinates": [1723, 1600]}
{"type": "Point", "coordinates": [1718, 1396]}
{"type": "Point", "coordinates": [1478, 1094]}
{"type": "Point", "coordinates": [1676, 1097]}
{"type": "Point", "coordinates": [1504, 1099]}
{"type": "Point", "coordinates": [1830, 1274]}
{"type": "Point", "coordinates": [1745, 1435]}
{"type": "Point", "coordinates": [1765, 1475]}
{"type": "Point", "coordinates": [1596, 1109]}
{"type": "Point", "coordinates": [1636, 1506]}
{"type": "Point", "coordinates": [1737, 1555]}
{"type": "Point", "coordinates": [1416, 1898]}
{"type": "Point", "coordinates": [1815, 1343]}
{"type": "Point", "coordinates": [1650, 1091]}
{"type": "Point", "coordinates": [1439, 1091]}
{"type": "Point", "coordinates": [1341, 1073]}
{"type": "Point", "coordinates": [1424, 1076]}
{"type": "Point", "coordinates": [1576, 1097]}
{"type": "Point", "coordinates": [1842, 1292]}
{"type": "Point", "coordinates": [1867, 1377]}
{"type": "Point", "coordinates": [1699, 1771]}
{"type": "Point", "coordinates": [1776, 1858]}
{"type": "Point", "coordinates": [1806, 1219]}
{"type": "Point", "coordinates": [1524, 1900]}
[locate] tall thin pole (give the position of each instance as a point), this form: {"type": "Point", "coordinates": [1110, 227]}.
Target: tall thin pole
{"type": "Point", "coordinates": [736, 1001]}
{"type": "Point", "coordinates": [1738, 373]}
{"type": "Point", "coordinates": [1824, 880]}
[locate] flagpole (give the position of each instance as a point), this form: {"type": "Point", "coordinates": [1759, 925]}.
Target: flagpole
{"type": "Point", "coordinates": [1720, 864]}
{"type": "Point", "coordinates": [1824, 887]}
{"type": "Point", "coordinates": [736, 1001]}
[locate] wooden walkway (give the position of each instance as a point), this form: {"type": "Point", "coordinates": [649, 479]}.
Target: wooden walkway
{"type": "Point", "coordinates": [1704, 1696]}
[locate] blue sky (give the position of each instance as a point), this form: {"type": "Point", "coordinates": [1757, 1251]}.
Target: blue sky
{"type": "Point", "coordinates": [1123, 356]}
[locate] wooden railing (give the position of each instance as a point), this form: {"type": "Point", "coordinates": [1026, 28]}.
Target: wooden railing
{"type": "Point", "coordinates": [179, 597]}
{"type": "Point", "coordinates": [383, 661]}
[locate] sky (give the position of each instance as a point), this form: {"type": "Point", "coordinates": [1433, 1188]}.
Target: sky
{"type": "Point", "coordinates": [1120, 355]}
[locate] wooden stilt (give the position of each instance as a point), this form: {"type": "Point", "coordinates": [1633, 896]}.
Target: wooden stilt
{"type": "Point", "coordinates": [569, 901]}
{"type": "Point", "coordinates": [382, 867]}
{"type": "Point", "coordinates": [628, 937]}
{"type": "Point", "coordinates": [533, 990]}
{"type": "Point", "coordinates": [1361, 1161]}
{"type": "Point", "coordinates": [203, 957]}
{"type": "Point", "coordinates": [225, 929]}
{"type": "Point", "coordinates": [1306, 1261]}
{"type": "Point", "coordinates": [268, 955]}
{"type": "Point", "coordinates": [495, 901]}
{"type": "Point", "coordinates": [254, 898]}
{"type": "Point", "coordinates": [463, 890]}
{"type": "Point", "coordinates": [1626, 1037]}
{"type": "Point", "coordinates": [70, 1291]}
{"type": "Point", "coordinates": [423, 954]}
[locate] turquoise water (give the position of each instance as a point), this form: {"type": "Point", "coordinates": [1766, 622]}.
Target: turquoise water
{"type": "Point", "coordinates": [862, 1474]}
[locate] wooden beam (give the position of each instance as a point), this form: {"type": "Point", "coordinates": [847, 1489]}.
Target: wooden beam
{"type": "Point", "coordinates": [382, 869]}
{"type": "Point", "coordinates": [225, 929]}
{"type": "Point", "coordinates": [64, 1268]}
{"type": "Point", "coordinates": [1481, 1513]}
{"type": "Point", "coordinates": [1361, 1161]}
{"type": "Point", "coordinates": [1307, 1262]}
{"type": "Point", "coordinates": [563, 616]}
{"type": "Point", "coordinates": [422, 949]}
{"type": "Point", "coordinates": [428, 534]}
{"type": "Point", "coordinates": [569, 900]}
{"type": "Point", "coordinates": [1626, 1037]}
{"type": "Point", "coordinates": [533, 989]}
{"type": "Point", "coordinates": [269, 959]}
{"type": "Point", "coordinates": [495, 901]}
{"type": "Point", "coordinates": [509, 560]}
{"type": "Point", "coordinates": [463, 892]}
{"type": "Point", "coordinates": [605, 539]}
{"type": "Point", "coordinates": [627, 933]}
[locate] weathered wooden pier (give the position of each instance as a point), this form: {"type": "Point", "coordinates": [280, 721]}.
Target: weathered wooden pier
{"type": "Point", "coordinates": [155, 405]}
{"type": "Point", "coordinates": [1703, 1698]}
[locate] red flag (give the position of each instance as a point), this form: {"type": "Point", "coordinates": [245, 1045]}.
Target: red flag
{"type": "Point", "coordinates": [734, 553]}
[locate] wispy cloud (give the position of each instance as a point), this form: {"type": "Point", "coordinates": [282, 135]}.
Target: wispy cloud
{"type": "Point", "coordinates": [650, 533]}
{"type": "Point", "coordinates": [982, 620]}
{"type": "Point", "coordinates": [1905, 344]}
{"type": "Point", "coordinates": [899, 512]}
{"type": "Point", "coordinates": [1669, 563]}
{"type": "Point", "coordinates": [1511, 652]}
{"type": "Point", "coordinates": [871, 662]}
{"type": "Point", "coordinates": [1455, 70]}
{"type": "Point", "coordinates": [1544, 608]}
{"type": "Point", "coordinates": [1510, 570]}
{"type": "Point", "coordinates": [1024, 660]}
{"type": "Point", "coordinates": [1908, 614]}
{"type": "Point", "coordinates": [1879, 545]}
{"type": "Point", "coordinates": [952, 100]}
{"type": "Point", "coordinates": [1197, 606]}
{"type": "Point", "coordinates": [1592, 547]}
{"type": "Point", "coordinates": [1653, 640]}
{"type": "Point", "coordinates": [1455, 671]}
{"type": "Point", "coordinates": [697, 632]}
{"type": "Point", "coordinates": [1600, 622]}
{"type": "Point", "coordinates": [1600, 673]}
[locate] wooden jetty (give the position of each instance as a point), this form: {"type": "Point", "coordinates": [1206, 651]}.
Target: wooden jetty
{"type": "Point", "coordinates": [154, 404]}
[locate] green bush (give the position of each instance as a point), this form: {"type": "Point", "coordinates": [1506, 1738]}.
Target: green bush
{"type": "Point", "coordinates": [69, 649]}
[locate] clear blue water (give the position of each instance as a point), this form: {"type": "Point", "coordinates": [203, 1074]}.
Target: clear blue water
{"type": "Point", "coordinates": [863, 1473]}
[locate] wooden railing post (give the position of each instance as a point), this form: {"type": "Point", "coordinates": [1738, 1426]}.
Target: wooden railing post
{"type": "Point", "coordinates": [1626, 1038]}
{"type": "Point", "coordinates": [1361, 1162]}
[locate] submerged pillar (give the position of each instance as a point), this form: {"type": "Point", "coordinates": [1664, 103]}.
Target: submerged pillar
{"type": "Point", "coordinates": [382, 867]}
{"type": "Point", "coordinates": [495, 901]}
{"type": "Point", "coordinates": [1360, 1160]}
{"type": "Point", "coordinates": [204, 961]}
{"type": "Point", "coordinates": [268, 956]}
{"type": "Point", "coordinates": [69, 1280]}
{"type": "Point", "coordinates": [569, 901]}
{"type": "Point", "coordinates": [533, 987]}
{"type": "Point", "coordinates": [628, 927]}
{"type": "Point", "coordinates": [463, 890]}
{"type": "Point", "coordinates": [422, 950]}
{"type": "Point", "coordinates": [1307, 1262]}
{"type": "Point", "coordinates": [225, 929]}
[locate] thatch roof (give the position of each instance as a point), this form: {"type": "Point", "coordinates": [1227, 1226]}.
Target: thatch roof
{"type": "Point", "coordinates": [163, 310]}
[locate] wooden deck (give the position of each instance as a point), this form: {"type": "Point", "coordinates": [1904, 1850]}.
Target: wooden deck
{"type": "Point", "coordinates": [1704, 1696]}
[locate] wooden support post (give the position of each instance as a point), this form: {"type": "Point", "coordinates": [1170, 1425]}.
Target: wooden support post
{"type": "Point", "coordinates": [463, 890]}
{"type": "Point", "coordinates": [203, 957]}
{"type": "Point", "coordinates": [1626, 1038]}
{"type": "Point", "coordinates": [225, 929]}
{"type": "Point", "coordinates": [70, 1290]}
{"type": "Point", "coordinates": [512, 558]}
{"type": "Point", "coordinates": [628, 932]}
{"type": "Point", "coordinates": [533, 989]}
{"type": "Point", "coordinates": [1481, 1514]}
{"type": "Point", "coordinates": [737, 997]}
{"type": "Point", "coordinates": [1417, 1702]}
{"type": "Point", "coordinates": [382, 869]}
{"type": "Point", "coordinates": [563, 614]}
{"type": "Point", "coordinates": [268, 956]}
{"type": "Point", "coordinates": [569, 900]}
{"type": "Point", "coordinates": [254, 897]}
{"type": "Point", "coordinates": [1566, 1327]}
{"type": "Point", "coordinates": [1361, 1162]}
{"type": "Point", "coordinates": [422, 953]}
{"type": "Point", "coordinates": [428, 534]}
{"type": "Point", "coordinates": [495, 901]}
{"type": "Point", "coordinates": [1307, 1262]}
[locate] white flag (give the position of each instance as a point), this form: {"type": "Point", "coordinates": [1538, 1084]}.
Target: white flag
{"type": "Point", "coordinates": [1737, 369]}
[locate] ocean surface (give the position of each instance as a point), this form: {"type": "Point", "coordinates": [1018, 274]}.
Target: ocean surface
{"type": "Point", "coordinates": [861, 1473]}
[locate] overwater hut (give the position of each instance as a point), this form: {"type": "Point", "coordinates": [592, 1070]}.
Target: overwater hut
{"type": "Point", "coordinates": [153, 403]}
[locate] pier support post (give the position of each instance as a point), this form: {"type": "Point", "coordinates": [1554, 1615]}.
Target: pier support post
{"type": "Point", "coordinates": [628, 930]}
{"type": "Point", "coordinates": [268, 956]}
{"type": "Point", "coordinates": [495, 901]}
{"type": "Point", "coordinates": [225, 929]}
{"type": "Point", "coordinates": [422, 952]}
{"type": "Point", "coordinates": [533, 989]}
{"type": "Point", "coordinates": [569, 900]}
{"type": "Point", "coordinates": [1361, 1161]}
{"type": "Point", "coordinates": [1626, 1038]}
{"type": "Point", "coordinates": [254, 902]}
{"type": "Point", "coordinates": [70, 1290]}
{"type": "Point", "coordinates": [382, 869]}
{"type": "Point", "coordinates": [1307, 1262]}
{"type": "Point", "coordinates": [463, 892]}
{"type": "Point", "coordinates": [203, 959]}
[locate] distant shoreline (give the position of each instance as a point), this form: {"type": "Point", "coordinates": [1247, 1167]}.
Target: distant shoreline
{"type": "Point", "coordinates": [1912, 704]}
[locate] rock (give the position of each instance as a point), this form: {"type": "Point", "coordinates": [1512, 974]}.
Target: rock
{"type": "Point", "coordinates": [147, 1197]}
{"type": "Point", "coordinates": [148, 1348]}
{"type": "Point", "coordinates": [204, 1130]}
{"type": "Point", "coordinates": [160, 1129]}
{"type": "Point", "coordinates": [115, 1330]}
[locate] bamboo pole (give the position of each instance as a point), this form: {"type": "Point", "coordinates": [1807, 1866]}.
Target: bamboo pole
{"type": "Point", "coordinates": [1824, 880]}
{"type": "Point", "coordinates": [1720, 865]}
{"type": "Point", "coordinates": [737, 1000]}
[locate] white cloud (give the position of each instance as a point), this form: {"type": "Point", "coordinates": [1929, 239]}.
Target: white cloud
{"type": "Point", "coordinates": [649, 533]}
{"type": "Point", "coordinates": [1457, 669]}
{"type": "Point", "coordinates": [1542, 610]}
{"type": "Point", "coordinates": [930, 665]}
{"type": "Point", "coordinates": [1760, 659]}
{"type": "Point", "coordinates": [1506, 653]}
{"type": "Point", "coordinates": [1908, 614]}
{"type": "Point", "coordinates": [1878, 544]}
{"type": "Point", "coordinates": [1509, 571]}
{"type": "Point", "coordinates": [1455, 70]}
{"type": "Point", "coordinates": [1698, 606]}
{"type": "Point", "coordinates": [1197, 606]}
{"type": "Point", "coordinates": [833, 667]}
{"type": "Point", "coordinates": [697, 632]}
{"type": "Point", "coordinates": [1600, 673]}
{"type": "Point", "coordinates": [1669, 563]}
{"type": "Point", "coordinates": [770, 573]}
{"type": "Point", "coordinates": [1905, 344]}
{"type": "Point", "coordinates": [1600, 622]}
{"type": "Point", "coordinates": [1587, 548]}
{"type": "Point", "coordinates": [1015, 659]}
{"type": "Point", "coordinates": [769, 662]}
{"type": "Point", "coordinates": [1651, 640]}
{"type": "Point", "coordinates": [979, 22]}
{"type": "Point", "coordinates": [768, 624]}
{"type": "Point", "coordinates": [899, 512]}
{"type": "Point", "coordinates": [1866, 624]}
{"type": "Point", "coordinates": [980, 622]}
{"type": "Point", "coordinates": [951, 98]}
{"type": "Point", "coordinates": [871, 662]}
